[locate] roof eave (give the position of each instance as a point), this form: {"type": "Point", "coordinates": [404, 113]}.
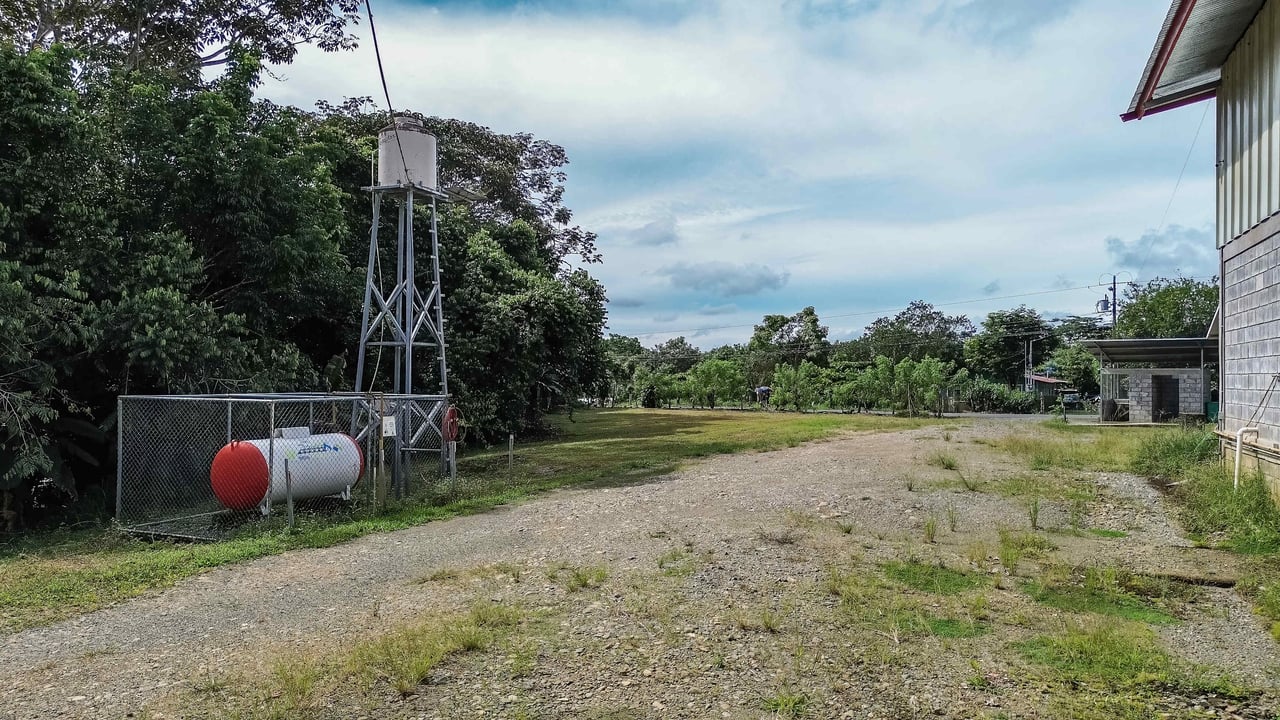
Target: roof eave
{"type": "Point", "coordinates": [1172, 102]}
{"type": "Point", "coordinates": [1172, 29]}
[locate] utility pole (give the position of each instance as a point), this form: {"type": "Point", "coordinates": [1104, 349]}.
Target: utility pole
{"type": "Point", "coordinates": [1113, 302]}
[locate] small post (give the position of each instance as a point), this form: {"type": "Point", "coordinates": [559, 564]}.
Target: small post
{"type": "Point", "coordinates": [271, 450]}
{"type": "Point", "coordinates": [288, 491]}
{"type": "Point", "coordinates": [119, 456]}
{"type": "Point", "coordinates": [453, 464]}
{"type": "Point", "coordinates": [511, 456]}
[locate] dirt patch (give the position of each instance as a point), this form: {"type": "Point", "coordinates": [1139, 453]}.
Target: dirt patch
{"type": "Point", "coordinates": [746, 586]}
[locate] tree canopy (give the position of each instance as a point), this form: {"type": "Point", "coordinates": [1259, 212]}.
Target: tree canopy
{"type": "Point", "coordinates": [211, 242]}
{"type": "Point", "coordinates": [1178, 307]}
{"type": "Point", "coordinates": [999, 349]}
{"type": "Point", "coordinates": [178, 35]}
{"type": "Point", "coordinates": [919, 331]}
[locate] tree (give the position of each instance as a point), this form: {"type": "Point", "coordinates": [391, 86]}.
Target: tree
{"type": "Point", "coordinates": [212, 242]}
{"type": "Point", "coordinates": [999, 350]}
{"type": "Point", "coordinates": [790, 339]}
{"type": "Point", "coordinates": [675, 355]}
{"type": "Point", "coordinates": [1180, 307]}
{"type": "Point", "coordinates": [796, 385]}
{"type": "Point", "coordinates": [1075, 328]}
{"type": "Point", "coordinates": [1075, 365]}
{"type": "Point", "coordinates": [622, 355]}
{"type": "Point", "coordinates": [179, 34]}
{"type": "Point", "coordinates": [918, 332]}
{"type": "Point", "coordinates": [717, 380]}
{"type": "Point", "coordinates": [919, 384]}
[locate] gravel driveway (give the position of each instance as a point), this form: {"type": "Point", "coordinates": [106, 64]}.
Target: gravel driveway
{"type": "Point", "coordinates": [147, 654]}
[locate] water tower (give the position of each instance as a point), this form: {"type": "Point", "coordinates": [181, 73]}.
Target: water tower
{"type": "Point", "coordinates": [400, 315]}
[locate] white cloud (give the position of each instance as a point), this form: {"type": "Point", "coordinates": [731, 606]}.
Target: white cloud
{"type": "Point", "coordinates": [848, 155]}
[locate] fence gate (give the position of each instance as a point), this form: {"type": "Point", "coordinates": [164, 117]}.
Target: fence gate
{"type": "Point", "coordinates": [202, 466]}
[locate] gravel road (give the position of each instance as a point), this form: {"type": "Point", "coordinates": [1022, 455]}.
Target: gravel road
{"type": "Point", "coordinates": [145, 655]}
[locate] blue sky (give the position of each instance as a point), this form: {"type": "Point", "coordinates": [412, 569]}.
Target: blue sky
{"type": "Point", "coordinates": [742, 158]}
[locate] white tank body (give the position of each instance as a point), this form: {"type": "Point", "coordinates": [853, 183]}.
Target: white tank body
{"type": "Point", "coordinates": [246, 473]}
{"type": "Point", "coordinates": [419, 158]}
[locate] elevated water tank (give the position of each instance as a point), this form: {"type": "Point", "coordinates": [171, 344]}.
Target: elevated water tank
{"type": "Point", "coordinates": [244, 474]}
{"type": "Point", "coordinates": [419, 157]}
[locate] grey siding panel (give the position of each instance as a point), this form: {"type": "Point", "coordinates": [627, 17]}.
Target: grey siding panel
{"type": "Point", "coordinates": [1249, 128]}
{"type": "Point", "coordinates": [1251, 334]}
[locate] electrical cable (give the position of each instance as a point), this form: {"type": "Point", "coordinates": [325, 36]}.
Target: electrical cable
{"type": "Point", "coordinates": [864, 313]}
{"type": "Point", "coordinates": [377, 53]}
{"type": "Point", "coordinates": [1172, 196]}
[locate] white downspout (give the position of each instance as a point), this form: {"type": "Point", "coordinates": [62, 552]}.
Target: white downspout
{"type": "Point", "coordinates": [1239, 446]}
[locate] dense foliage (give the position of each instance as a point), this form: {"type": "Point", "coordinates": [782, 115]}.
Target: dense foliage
{"type": "Point", "coordinates": [1180, 307]}
{"type": "Point", "coordinates": [911, 363]}
{"type": "Point", "coordinates": [162, 233]}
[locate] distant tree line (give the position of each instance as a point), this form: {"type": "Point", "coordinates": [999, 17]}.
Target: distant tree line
{"type": "Point", "coordinates": [906, 363]}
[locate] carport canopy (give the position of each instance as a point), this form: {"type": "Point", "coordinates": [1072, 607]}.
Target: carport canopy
{"type": "Point", "coordinates": [1161, 352]}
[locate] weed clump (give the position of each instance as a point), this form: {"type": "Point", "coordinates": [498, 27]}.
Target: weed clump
{"type": "Point", "coordinates": [944, 460]}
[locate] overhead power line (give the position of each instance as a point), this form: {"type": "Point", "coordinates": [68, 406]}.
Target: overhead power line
{"type": "Point", "coordinates": [1146, 255]}
{"type": "Point", "coordinates": [885, 311]}
{"type": "Point", "coordinates": [863, 313]}
{"type": "Point", "coordinates": [391, 112]}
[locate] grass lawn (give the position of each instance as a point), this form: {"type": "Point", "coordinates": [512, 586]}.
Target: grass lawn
{"type": "Point", "coordinates": [46, 577]}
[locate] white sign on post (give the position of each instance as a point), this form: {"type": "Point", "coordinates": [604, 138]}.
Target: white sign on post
{"type": "Point", "coordinates": [388, 424]}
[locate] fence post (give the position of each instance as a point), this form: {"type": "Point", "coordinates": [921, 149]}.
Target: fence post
{"type": "Point", "coordinates": [511, 457]}
{"type": "Point", "coordinates": [288, 491]}
{"type": "Point", "coordinates": [119, 455]}
{"type": "Point", "coordinates": [271, 450]}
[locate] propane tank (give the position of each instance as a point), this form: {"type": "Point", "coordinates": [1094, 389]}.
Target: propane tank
{"type": "Point", "coordinates": [251, 473]}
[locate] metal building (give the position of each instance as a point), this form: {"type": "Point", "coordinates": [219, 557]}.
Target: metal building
{"type": "Point", "coordinates": [1230, 50]}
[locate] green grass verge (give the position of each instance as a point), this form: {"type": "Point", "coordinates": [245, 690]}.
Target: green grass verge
{"type": "Point", "coordinates": [1245, 519]}
{"type": "Point", "coordinates": [1105, 590]}
{"type": "Point", "coordinates": [1115, 653]}
{"type": "Point", "coordinates": [931, 578]}
{"type": "Point", "coordinates": [952, 628]}
{"type": "Point", "coordinates": [50, 576]}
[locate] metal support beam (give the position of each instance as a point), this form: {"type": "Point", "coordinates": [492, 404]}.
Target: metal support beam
{"type": "Point", "coordinates": [399, 317]}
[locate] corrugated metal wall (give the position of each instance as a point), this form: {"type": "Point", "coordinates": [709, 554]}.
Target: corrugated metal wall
{"type": "Point", "coordinates": [1249, 128]}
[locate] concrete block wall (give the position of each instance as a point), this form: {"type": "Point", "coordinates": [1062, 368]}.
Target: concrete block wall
{"type": "Point", "coordinates": [1142, 391]}
{"type": "Point", "coordinates": [1251, 335]}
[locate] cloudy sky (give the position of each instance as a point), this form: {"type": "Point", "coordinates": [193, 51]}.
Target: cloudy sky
{"type": "Point", "coordinates": [743, 157]}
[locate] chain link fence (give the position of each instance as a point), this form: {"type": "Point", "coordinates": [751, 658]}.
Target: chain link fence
{"type": "Point", "coordinates": [203, 466]}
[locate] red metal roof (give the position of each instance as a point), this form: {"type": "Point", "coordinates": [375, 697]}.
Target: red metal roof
{"type": "Point", "coordinates": [1186, 63]}
{"type": "Point", "coordinates": [1049, 380]}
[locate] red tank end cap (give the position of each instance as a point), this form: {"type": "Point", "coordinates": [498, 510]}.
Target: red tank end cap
{"type": "Point", "coordinates": [239, 476]}
{"type": "Point", "coordinates": [359, 452]}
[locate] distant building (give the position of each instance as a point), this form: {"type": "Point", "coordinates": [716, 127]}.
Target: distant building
{"type": "Point", "coordinates": [1230, 50]}
{"type": "Point", "coordinates": [1047, 388]}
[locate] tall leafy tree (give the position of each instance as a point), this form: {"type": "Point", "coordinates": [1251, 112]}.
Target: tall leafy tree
{"type": "Point", "coordinates": [178, 34]}
{"type": "Point", "coordinates": [718, 381]}
{"type": "Point", "coordinates": [622, 356]}
{"type": "Point", "coordinates": [786, 339]}
{"type": "Point", "coordinates": [1178, 307]}
{"type": "Point", "coordinates": [1075, 365]}
{"type": "Point", "coordinates": [919, 331]}
{"type": "Point", "coordinates": [999, 350]}
{"type": "Point", "coordinates": [676, 355]}
{"type": "Point", "coordinates": [796, 385]}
